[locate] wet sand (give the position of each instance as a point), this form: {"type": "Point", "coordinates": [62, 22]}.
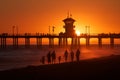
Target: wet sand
{"type": "Point", "coordinates": [98, 68]}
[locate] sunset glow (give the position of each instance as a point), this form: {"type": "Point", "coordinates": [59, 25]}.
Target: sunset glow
{"type": "Point", "coordinates": [77, 32]}
{"type": "Point", "coordinates": [37, 15]}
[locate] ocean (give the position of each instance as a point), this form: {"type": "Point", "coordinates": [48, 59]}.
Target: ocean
{"type": "Point", "coordinates": [11, 58]}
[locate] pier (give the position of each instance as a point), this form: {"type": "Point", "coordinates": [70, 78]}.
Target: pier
{"type": "Point", "coordinates": [63, 40]}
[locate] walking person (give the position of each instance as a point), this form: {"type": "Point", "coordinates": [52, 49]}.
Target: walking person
{"type": "Point", "coordinates": [59, 59]}
{"type": "Point", "coordinates": [53, 56]}
{"type": "Point", "coordinates": [49, 57]}
{"type": "Point", "coordinates": [66, 55]}
{"type": "Point", "coordinates": [42, 60]}
{"type": "Point", "coordinates": [72, 56]}
{"type": "Point", "coordinates": [77, 55]}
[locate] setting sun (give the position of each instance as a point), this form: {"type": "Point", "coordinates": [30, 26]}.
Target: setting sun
{"type": "Point", "coordinates": [77, 32]}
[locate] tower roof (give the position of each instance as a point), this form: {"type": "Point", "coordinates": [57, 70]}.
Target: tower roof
{"type": "Point", "coordinates": [69, 19]}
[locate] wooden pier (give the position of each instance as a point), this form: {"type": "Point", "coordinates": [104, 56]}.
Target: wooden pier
{"type": "Point", "coordinates": [63, 40]}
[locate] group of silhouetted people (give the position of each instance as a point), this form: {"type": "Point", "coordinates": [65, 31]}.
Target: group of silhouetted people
{"type": "Point", "coordinates": [51, 57]}
{"type": "Point", "coordinates": [72, 55]}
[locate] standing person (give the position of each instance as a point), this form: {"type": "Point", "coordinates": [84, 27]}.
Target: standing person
{"type": "Point", "coordinates": [77, 55]}
{"type": "Point", "coordinates": [59, 59]}
{"type": "Point", "coordinates": [72, 55]}
{"type": "Point", "coordinates": [66, 55]}
{"type": "Point", "coordinates": [49, 57]}
{"type": "Point", "coordinates": [53, 55]}
{"type": "Point", "coordinates": [43, 60]}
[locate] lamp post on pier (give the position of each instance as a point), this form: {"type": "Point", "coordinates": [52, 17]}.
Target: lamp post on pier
{"type": "Point", "coordinates": [53, 29]}
{"type": "Point", "coordinates": [13, 30]}
{"type": "Point", "coordinates": [87, 30]}
{"type": "Point", "coordinates": [49, 30]}
{"type": "Point", "coordinates": [13, 27]}
{"type": "Point", "coordinates": [17, 30]}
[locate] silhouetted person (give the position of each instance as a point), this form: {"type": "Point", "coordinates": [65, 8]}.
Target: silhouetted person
{"type": "Point", "coordinates": [72, 55]}
{"type": "Point", "coordinates": [66, 55]}
{"type": "Point", "coordinates": [43, 60]}
{"type": "Point", "coordinates": [77, 55]}
{"type": "Point", "coordinates": [59, 59]}
{"type": "Point", "coordinates": [49, 57]}
{"type": "Point", "coordinates": [53, 55]}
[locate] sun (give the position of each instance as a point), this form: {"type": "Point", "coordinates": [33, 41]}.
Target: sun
{"type": "Point", "coordinates": [77, 32]}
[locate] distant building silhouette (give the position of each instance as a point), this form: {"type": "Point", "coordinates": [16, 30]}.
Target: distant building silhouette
{"type": "Point", "coordinates": [69, 26]}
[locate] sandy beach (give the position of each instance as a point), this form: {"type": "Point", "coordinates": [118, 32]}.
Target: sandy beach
{"type": "Point", "coordinates": [97, 68]}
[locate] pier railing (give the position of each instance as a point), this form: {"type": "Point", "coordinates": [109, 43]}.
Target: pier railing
{"type": "Point", "coordinates": [47, 34]}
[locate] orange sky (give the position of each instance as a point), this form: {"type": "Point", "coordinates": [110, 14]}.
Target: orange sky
{"type": "Point", "coordinates": [36, 15]}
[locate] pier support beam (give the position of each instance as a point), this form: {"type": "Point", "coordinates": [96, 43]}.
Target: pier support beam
{"type": "Point", "coordinates": [64, 41]}
{"type": "Point", "coordinates": [100, 42]}
{"type": "Point", "coordinates": [15, 41]}
{"type": "Point", "coordinates": [39, 42]}
{"type": "Point", "coordinates": [75, 42]}
{"type": "Point", "coordinates": [78, 41]}
{"type": "Point", "coordinates": [112, 42]}
{"type": "Point", "coordinates": [51, 42]}
{"type": "Point", "coordinates": [60, 41]}
{"type": "Point", "coordinates": [87, 41]}
{"type": "Point", "coordinates": [3, 42]}
{"type": "Point", "coordinates": [27, 42]}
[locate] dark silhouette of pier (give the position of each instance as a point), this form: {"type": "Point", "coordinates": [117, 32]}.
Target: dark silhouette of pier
{"type": "Point", "coordinates": [63, 40]}
{"type": "Point", "coordinates": [62, 36]}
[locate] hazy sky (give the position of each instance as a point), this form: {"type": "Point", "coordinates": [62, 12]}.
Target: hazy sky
{"type": "Point", "coordinates": [36, 15]}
